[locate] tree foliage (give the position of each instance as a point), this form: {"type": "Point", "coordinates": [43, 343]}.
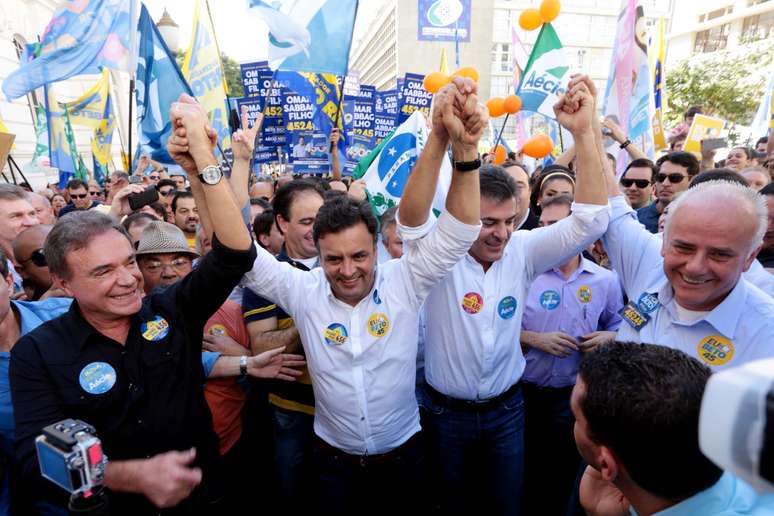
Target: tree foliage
{"type": "Point", "coordinates": [726, 84]}
{"type": "Point", "coordinates": [230, 69]}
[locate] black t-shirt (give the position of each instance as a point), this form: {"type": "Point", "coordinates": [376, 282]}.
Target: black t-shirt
{"type": "Point", "coordinates": [145, 397]}
{"type": "Point", "coordinates": [766, 257]}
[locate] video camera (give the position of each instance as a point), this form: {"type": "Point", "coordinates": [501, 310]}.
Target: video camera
{"type": "Point", "coordinates": [70, 455]}
{"type": "Point", "coordinates": [736, 423]}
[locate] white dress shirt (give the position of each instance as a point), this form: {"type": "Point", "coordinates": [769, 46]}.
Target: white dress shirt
{"type": "Point", "coordinates": [362, 359]}
{"type": "Point", "coordinates": [736, 331]}
{"type": "Point", "coordinates": [473, 318]}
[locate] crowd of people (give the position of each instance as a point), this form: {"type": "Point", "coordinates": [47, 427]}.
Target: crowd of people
{"type": "Point", "coordinates": [253, 343]}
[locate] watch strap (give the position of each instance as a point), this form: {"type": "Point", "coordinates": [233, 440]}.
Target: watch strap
{"type": "Point", "coordinates": [467, 166]}
{"type": "Point", "coordinates": [625, 144]}
{"type": "Point", "coordinates": [243, 366]}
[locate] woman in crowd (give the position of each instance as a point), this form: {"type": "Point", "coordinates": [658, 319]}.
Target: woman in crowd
{"type": "Point", "coordinates": [58, 202]}
{"type": "Point", "coordinates": [552, 181]}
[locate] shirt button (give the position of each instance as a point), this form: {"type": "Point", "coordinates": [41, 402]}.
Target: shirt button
{"type": "Point", "coordinates": [139, 421]}
{"type": "Point", "coordinates": [362, 418]}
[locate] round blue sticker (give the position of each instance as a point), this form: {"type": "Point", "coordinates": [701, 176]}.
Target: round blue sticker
{"type": "Point", "coordinates": [550, 299]}
{"type": "Point", "coordinates": [336, 334]}
{"type": "Point", "coordinates": [155, 330]}
{"type": "Point", "coordinates": [507, 307]}
{"type": "Point", "coordinates": [97, 378]}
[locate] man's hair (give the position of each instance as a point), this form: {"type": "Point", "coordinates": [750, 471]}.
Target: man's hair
{"type": "Point", "coordinates": [642, 401]}
{"type": "Point", "coordinates": [4, 271]}
{"type": "Point", "coordinates": [515, 163]}
{"type": "Point", "coordinates": [675, 139]}
{"type": "Point", "coordinates": [287, 193]}
{"type": "Point", "coordinates": [159, 209]}
{"type": "Point", "coordinates": [558, 200]}
{"type": "Point", "coordinates": [725, 193]}
{"type": "Point", "coordinates": [641, 163]}
{"type": "Point", "coordinates": [120, 175]}
{"type": "Point", "coordinates": [180, 195]}
{"type": "Point", "coordinates": [263, 203]}
{"type": "Point", "coordinates": [12, 193]}
{"type": "Point", "coordinates": [135, 218]}
{"type": "Point", "coordinates": [747, 151]}
{"type": "Point", "coordinates": [262, 224]}
{"type": "Point", "coordinates": [74, 184]}
{"type": "Point", "coordinates": [166, 182]}
{"type": "Point", "coordinates": [684, 159]}
{"type": "Point", "coordinates": [692, 111]}
{"type": "Point", "coordinates": [718, 174]}
{"type": "Point", "coordinates": [767, 190]}
{"type": "Point", "coordinates": [495, 183]}
{"type": "Point", "coordinates": [389, 218]}
{"type": "Point", "coordinates": [342, 213]}
{"type": "Point", "coordinates": [72, 232]}
{"type": "Point", "coordinates": [762, 139]}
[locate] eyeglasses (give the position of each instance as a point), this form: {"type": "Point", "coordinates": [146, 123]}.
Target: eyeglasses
{"type": "Point", "coordinates": [37, 257]}
{"type": "Point", "coordinates": [165, 193]}
{"type": "Point", "coordinates": [94, 194]}
{"type": "Point", "coordinates": [79, 196]}
{"type": "Point", "coordinates": [178, 264]}
{"type": "Point", "coordinates": [154, 178]}
{"type": "Point", "coordinates": [673, 178]}
{"type": "Point", "coordinates": [641, 183]}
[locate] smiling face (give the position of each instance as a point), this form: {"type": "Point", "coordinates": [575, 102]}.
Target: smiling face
{"type": "Point", "coordinates": [737, 159]}
{"type": "Point", "coordinates": [298, 230]}
{"type": "Point", "coordinates": [104, 277]}
{"type": "Point", "coordinates": [497, 222]}
{"type": "Point", "coordinates": [705, 254]}
{"type": "Point", "coordinates": [638, 197]}
{"type": "Point", "coordinates": [348, 258]}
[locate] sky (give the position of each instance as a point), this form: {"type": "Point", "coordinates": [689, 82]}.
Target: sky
{"type": "Point", "coordinates": [240, 34]}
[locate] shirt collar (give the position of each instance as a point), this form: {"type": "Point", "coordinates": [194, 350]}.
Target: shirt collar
{"type": "Point", "coordinates": [585, 265]}
{"type": "Point", "coordinates": [716, 497]}
{"type": "Point", "coordinates": [724, 317]}
{"type": "Point", "coordinates": [523, 220]}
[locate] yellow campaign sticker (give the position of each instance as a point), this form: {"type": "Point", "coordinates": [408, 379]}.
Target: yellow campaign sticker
{"type": "Point", "coordinates": [584, 294]}
{"type": "Point", "coordinates": [472, 303]}
{"type": "Point", "coordinates": [217, 329]}
{"type": "Point", "coordinates": [378, 325]}
{"type": "Point", "coordinates": [336, 334]}
{"type": "Point", "coordinates": [155, 330]}
{"type": "Point", "coordinates": [715, 350]}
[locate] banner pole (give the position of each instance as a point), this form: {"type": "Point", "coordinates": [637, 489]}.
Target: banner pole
{"type": "Point", "coordinates": [129, 153]}
{"type": "Point", "coordinates": [499, 135]}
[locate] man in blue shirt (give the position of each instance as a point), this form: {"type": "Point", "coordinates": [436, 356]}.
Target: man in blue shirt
{"type": "Point", "coordinates": [675, 171]}
{"type": "Point", "coordinates": [637, 410]}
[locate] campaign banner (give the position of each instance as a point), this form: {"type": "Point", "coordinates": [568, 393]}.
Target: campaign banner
{"type": "Point", "coordinates": [307, 145]}
{"type": "Point", "coordinates": [414, 97]}
{"type": "Point", "coordinates": [253, 76]}
{"type": "Point", "coordinates": [443, 20]}
{"type": "Point", "coordinates": [351, 157]}
{"type": "Point", "coordinates": [385, 114]}
{"type": "Point", "coordinates": [273, 129]}
{"type": "Point", "coordinates": [363, 130]}
{"type": "Point", "coordinates": [263, 153]}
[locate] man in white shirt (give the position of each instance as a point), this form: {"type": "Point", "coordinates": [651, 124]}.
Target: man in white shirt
{"type": "Point", "coordinates": [473, 361]}
{"type": "Point", "coordinates": [358, 323]}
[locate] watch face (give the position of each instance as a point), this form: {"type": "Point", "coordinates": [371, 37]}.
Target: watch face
{"type": "Point", "coordinates": [211, 175]}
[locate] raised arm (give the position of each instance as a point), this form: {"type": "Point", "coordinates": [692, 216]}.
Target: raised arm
{"type": "Point", "coordinates": [618, 134]}
{"type": "Point", "coordinates": [243, 146]}
{"type": "Point", "coordinates": [335, 161]}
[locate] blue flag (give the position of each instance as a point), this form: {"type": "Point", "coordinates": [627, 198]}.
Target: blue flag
{"type": "Point", "coordinates": [308, 35]}
{"type": "Point", "coordinates": [159, 84]}
{"type": "Point", "coordinates": [82, 37]}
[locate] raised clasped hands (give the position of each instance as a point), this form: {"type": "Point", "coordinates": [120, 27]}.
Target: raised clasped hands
{"type": "Point", "coordinates": [576, 109]}
{"type": "Point", "coordinates": [458, 115]}
{"type": "Point", "coordinates": [192, 141]}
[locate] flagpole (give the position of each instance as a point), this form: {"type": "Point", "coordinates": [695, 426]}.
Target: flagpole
{"type": "Point", "coordinates": [129, 154]}
{"type": "Point", "coordinates": [561, 139]}
{"type": "Point", "coordinates": [497, 141]}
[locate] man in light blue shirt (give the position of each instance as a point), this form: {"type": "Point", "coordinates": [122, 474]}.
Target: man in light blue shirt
{"type": "Point", "coordinates": [637, 410]}
{"type": "Point", "coordinates": [569, 311]}
{"type": "Point", "coordinates": [687, 292]}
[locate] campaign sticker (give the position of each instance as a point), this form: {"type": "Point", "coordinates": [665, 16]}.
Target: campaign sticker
{"type": "Point", "coordinates": [156, 329]}
{"type": "Point", "coordinates": [97, 378]}
{"type": "Point", "coordinates": [377, 299]}
{"type": "Point", "coordinates": [507, 307]}
{"type": "Point", "coordinates": [217, 330]}
{"type": "Point", "coordinates": [715, 350]}
{"type": "Point", "coordinates": [472, 303]}
{"type": "Point", "coordinates": [550, 299]}
{"type": "Point", "coordinates": [584, 294]}
{"type": "Point", "coordinates": [634, 317]}
{"type": "Point", "coordinates": [378, 325]}
{"type": "Point", "coordinates": [336, 334]}
{"type": "Point", "coordinates": [647, 303]}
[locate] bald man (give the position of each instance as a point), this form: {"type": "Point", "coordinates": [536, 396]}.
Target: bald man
{"type": "Point", "coordinates": [30, 262]}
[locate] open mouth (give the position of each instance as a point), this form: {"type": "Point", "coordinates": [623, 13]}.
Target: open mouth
{"type": "Point", "coordinates": [694, 281]}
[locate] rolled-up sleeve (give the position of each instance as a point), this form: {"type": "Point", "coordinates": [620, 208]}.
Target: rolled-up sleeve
{"type": "Point", "coordinates": [274, 280]}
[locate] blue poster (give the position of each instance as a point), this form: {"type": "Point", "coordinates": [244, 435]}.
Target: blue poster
{"type": "Point", "coordinates": [352, 156]}
{"type": "Point", "coordinates": [414, 97]}
{"type": "Point", "coordinates": [253, 74]}
{"type": "Point", "coordinates": [363, 122]}
{"type": "Point", "coordinates": [273, 130]}
{"type": "Point", "coordinates": [385, 114]}
{"type": "Point", "coordinates": [307, 146]}
{"type": "Point", "coordinates": [443, 20]}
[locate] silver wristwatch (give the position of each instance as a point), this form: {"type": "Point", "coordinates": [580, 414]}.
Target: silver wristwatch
{"type": "Point", "coordinates": [243, 366]}
{"type": "Point", "coordinates": [211, 175]}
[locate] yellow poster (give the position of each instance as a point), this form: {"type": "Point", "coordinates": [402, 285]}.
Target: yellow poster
{"type": "Point", "coordinates": [89, 109]}
{"type": "Point", "coordinates": [203, 70]}
{"type": "Point", "coordinates": [703, 128]}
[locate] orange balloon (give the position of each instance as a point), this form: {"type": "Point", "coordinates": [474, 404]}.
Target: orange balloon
{"type": "Point", "coordinates": [467, 71]}
{"type": "Point", "coordinates": [530, 19]}
{"type": "Point", "coordinates": [512, 104]}
{"type": "Point", "coordinates": [435, 81]}
{"type": "Point", "coordinates": [496, 107]}
{"type": "Point", "coordinates": [499, 155]}
{"type": "Point", "coordinates": [549, 10]}
{"type": "Point", "coordinates": [538, 146]}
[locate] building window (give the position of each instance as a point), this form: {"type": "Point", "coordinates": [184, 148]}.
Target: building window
{"type": "Point", "coordinates": [711, 40]}
{"type": "Point", "coordinates": [501, 58]}
{"type": "Point", "coordinates": [760, 26]}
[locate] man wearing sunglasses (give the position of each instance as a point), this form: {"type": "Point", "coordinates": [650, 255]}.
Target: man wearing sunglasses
{"type": "Point", "coordinates": [30, 261]}
{"type": "Point", "coordinates": [637, 182]}
{"type": "Point", "coordinates": [79, 197]}
{"type": "Point", "coordinates": [675, 171]}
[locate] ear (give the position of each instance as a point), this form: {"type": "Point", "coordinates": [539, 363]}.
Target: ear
{"type": "Point", "coordinates": [61, 284]}
{"type": "Point", "coordinates": [9, 282]}
{"type": "Point", "coordinates": [748, 262]}
{"type": "Point", "coordinates": [282, 224]}
{"type": "Point", "coordinates": [609, 467]}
